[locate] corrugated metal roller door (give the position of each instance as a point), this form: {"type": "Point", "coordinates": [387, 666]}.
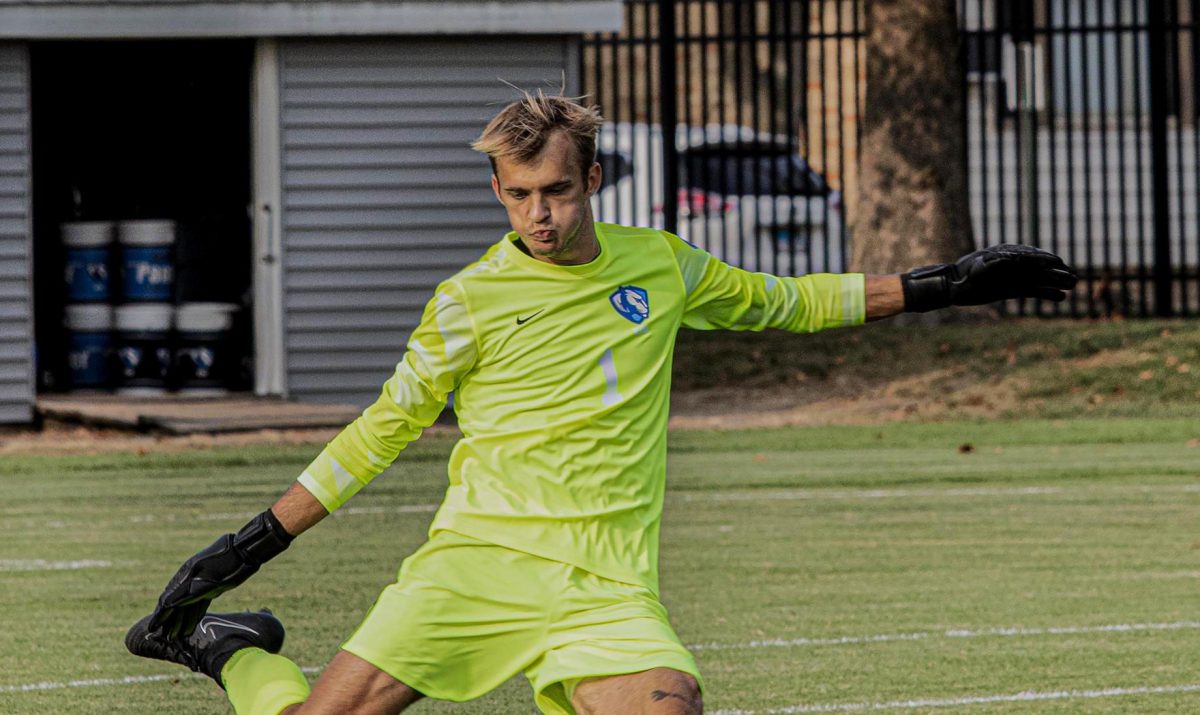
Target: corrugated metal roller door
{"type": "Point", "coordinates": [382, 196]}
{"type": "Point", "coordinates": [16, 290]}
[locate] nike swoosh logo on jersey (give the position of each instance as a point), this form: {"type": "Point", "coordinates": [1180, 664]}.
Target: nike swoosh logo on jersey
{"type": "Point", "coordinates": [522, 321]}
{"type": "Point", "coordinates": [208, 623]}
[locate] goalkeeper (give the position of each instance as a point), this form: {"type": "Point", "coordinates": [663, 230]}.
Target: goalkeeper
{"type": "Point", "coordinates": [543, 556]}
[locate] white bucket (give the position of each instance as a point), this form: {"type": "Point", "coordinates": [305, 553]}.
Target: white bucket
{"type": "Point", "coordinates": [146, 233]}
{"type": "Point", "coordinates": [88, 318]}
{"type": "Point", "coordinates": [144, 317]}
{"type": "Point", "coordinates": [87, 234]}
{"type": "Point", "coordinates": [143, 348]}
{"type": "Point", "coordinates": [202, 354]}
{"type": "Point", "coordinates": [204, 317]}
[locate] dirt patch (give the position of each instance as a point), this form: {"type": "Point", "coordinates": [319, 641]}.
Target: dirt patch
{"type": "Point", "coordinates": [62, 439]}
{"type": "Point", "coordinates": [952, 393]}
{"type": "Point", "coordinates": [937, 394]}
{"type": "Point", "coordinates": [876, 375]}
{"type": "Point", "coordinates": [1113, 358]}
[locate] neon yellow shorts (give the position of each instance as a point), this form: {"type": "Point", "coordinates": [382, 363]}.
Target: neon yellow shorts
{"type": "Point", "coordinates": [464, 616]}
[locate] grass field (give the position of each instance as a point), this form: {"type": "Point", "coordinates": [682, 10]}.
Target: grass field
{"type": "Point", "coordinates": [1001, 567]}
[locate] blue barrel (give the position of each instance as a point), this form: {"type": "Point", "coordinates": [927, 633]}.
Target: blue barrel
{"type": "Point", "coordinates": [89, 345]}
{"type": "Point", "coordinates": [88, 249]}
{"type": "Point", "coordinates": [143, 348]}
{"type": "Point", "coordinates": [147, 261]}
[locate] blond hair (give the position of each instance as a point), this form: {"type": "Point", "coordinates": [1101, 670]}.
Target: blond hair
{"type": "Point", "coordinates": [520, 131]}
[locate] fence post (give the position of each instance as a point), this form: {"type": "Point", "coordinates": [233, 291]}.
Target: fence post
{"type": "Point", "coordinates": [668, 112]}
{"type": "Point", "coordinates": [1159, 179]}
{"type": "Point", "coordinates": [1023, 38]}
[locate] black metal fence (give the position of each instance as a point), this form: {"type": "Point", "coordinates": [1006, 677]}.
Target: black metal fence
{"type": "Point", "coordinates": [1081, 134]}
{"type": "Point", "coordinates": [723, 125]}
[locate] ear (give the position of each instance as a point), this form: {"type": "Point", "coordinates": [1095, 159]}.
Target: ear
{"type": "Point", "coordinates": [594, 176]}
{"type": "Point", "coordinates": [496, 188]}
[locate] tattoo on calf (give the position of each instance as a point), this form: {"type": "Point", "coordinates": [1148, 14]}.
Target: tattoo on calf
{"type": "Point", "coordinates": [660, 695]}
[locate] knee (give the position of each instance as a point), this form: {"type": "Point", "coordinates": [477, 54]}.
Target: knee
{"type": "Point", "coordinates": [681, 698]}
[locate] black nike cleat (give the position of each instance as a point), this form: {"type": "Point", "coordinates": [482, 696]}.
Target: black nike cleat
{"type": "Point", "coordinates": [216, 638]}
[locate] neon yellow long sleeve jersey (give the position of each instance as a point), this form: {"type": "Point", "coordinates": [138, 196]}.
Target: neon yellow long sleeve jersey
{"type": "Point", "coordinates": [561, 377]}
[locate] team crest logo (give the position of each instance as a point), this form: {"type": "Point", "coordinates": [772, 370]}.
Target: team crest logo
{"type": "Point", "coordinates": [632, 303]}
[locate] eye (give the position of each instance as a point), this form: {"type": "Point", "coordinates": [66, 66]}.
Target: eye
{"type": "Point", "coordinates": [518, 195]}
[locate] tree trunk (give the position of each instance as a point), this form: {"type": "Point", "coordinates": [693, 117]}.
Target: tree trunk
{"type": "Point", "coordinates": [913, 201]}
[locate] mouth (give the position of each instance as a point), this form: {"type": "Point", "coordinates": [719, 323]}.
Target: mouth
{"type": "Point", "coordinates": [543, 235]}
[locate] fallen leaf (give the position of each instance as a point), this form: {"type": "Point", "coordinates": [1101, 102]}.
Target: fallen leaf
{"type": "Point", "coordinates": [760, 458]}
{"type": "Point", "coordinates": [966, 448]}
{"type": "Point", "coordinates": [1193, 442]}
{"type": "Point", "coordinates": [1184, 368]}
{"type": "Point", "coordinates": [1146, 375]}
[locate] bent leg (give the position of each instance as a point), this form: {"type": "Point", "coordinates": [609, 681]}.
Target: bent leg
{"type": "Point", "coordinates": [262, 683]}
{"type": "Point", "coordinates": [352, 686]}
{"type": "Point", "coordinates": [660, 691]}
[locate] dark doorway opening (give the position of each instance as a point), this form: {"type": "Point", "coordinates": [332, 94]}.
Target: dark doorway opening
{"type": "Point", "coordinates": [147, 130]}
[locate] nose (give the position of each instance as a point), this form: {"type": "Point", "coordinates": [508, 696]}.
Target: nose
{"type": "Point", "coordinates": [539, 210]}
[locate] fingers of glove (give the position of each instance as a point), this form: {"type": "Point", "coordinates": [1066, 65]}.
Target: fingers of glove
{"type": "Point", "coordinates": [1062, 279]}
{"type": "Point", "coordinates": [1053, 294]}
{"type": "Point", "coordinates": [189, 617]}
{"type": "Point", "coordinates": [1051, 277]}
{"type": "Point", "coordinates": [1024, 274]}
{"type": "Point", "coordinates": [184, 589]}
{"type": "Point", "coordinates": [1042, 260]}
{"type": "Point", "coordinates": [162, 618]}
{"type": "Point", "coordinates": [1026, 256]}
{"type": "Point", "coordinates": [178, 622]}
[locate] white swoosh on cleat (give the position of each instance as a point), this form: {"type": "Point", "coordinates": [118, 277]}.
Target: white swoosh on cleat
{"type": "Point", "coordinates": [207, 624]}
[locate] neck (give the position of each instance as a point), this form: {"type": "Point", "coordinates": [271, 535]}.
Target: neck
{"type": "Point", "coordinates": [588, 245]}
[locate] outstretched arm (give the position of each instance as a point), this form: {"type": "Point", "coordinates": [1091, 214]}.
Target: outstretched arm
{"type": "Point", "coordinates": [721, 296]}
{"type": "Point", "coordinates": [984, 276]}
{"type": "Point", "coordinates": [885, 296]}
{"type": "Point", "coordinates": [298, 510]}
{"type": "Point", "coordinates": [224, 564]}
{"type": "Point", "coordinates": [441, 350]}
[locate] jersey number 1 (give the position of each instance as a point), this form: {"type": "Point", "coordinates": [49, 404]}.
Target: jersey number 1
{"type": "Point", "coordinates": [611, 396]}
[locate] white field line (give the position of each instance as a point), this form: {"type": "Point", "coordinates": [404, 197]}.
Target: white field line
{"type": "Point", "coordinates": [1027, 696]}
{"type": "Point", "coordinates": [240, 516]}
{"type": "Point", "coordinates": [845, 640]}
{"type": "Point", "coordinates": [8, 565]}
{"type": "Point", "coordinates": [953, 633]}
{"type": "Point", "coordinates": [840, 494]}
{"type": "Point", "coordinates": [344, 511]}
{"type": "Point", "coordinates": [747, 495]}
{"type": "Point", "coordinates": [97, 682]}
{"type": "Point", "coordinates": [1024, 697]}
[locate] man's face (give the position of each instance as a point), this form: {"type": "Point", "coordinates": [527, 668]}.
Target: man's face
{"type": "Point", "coordinates": [548, 204]}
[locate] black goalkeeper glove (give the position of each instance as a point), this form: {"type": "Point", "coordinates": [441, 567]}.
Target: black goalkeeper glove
{"type": "Point", "coordinates": [228, 562]}
{"type": "Point", "coordinates": [986, 276]}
